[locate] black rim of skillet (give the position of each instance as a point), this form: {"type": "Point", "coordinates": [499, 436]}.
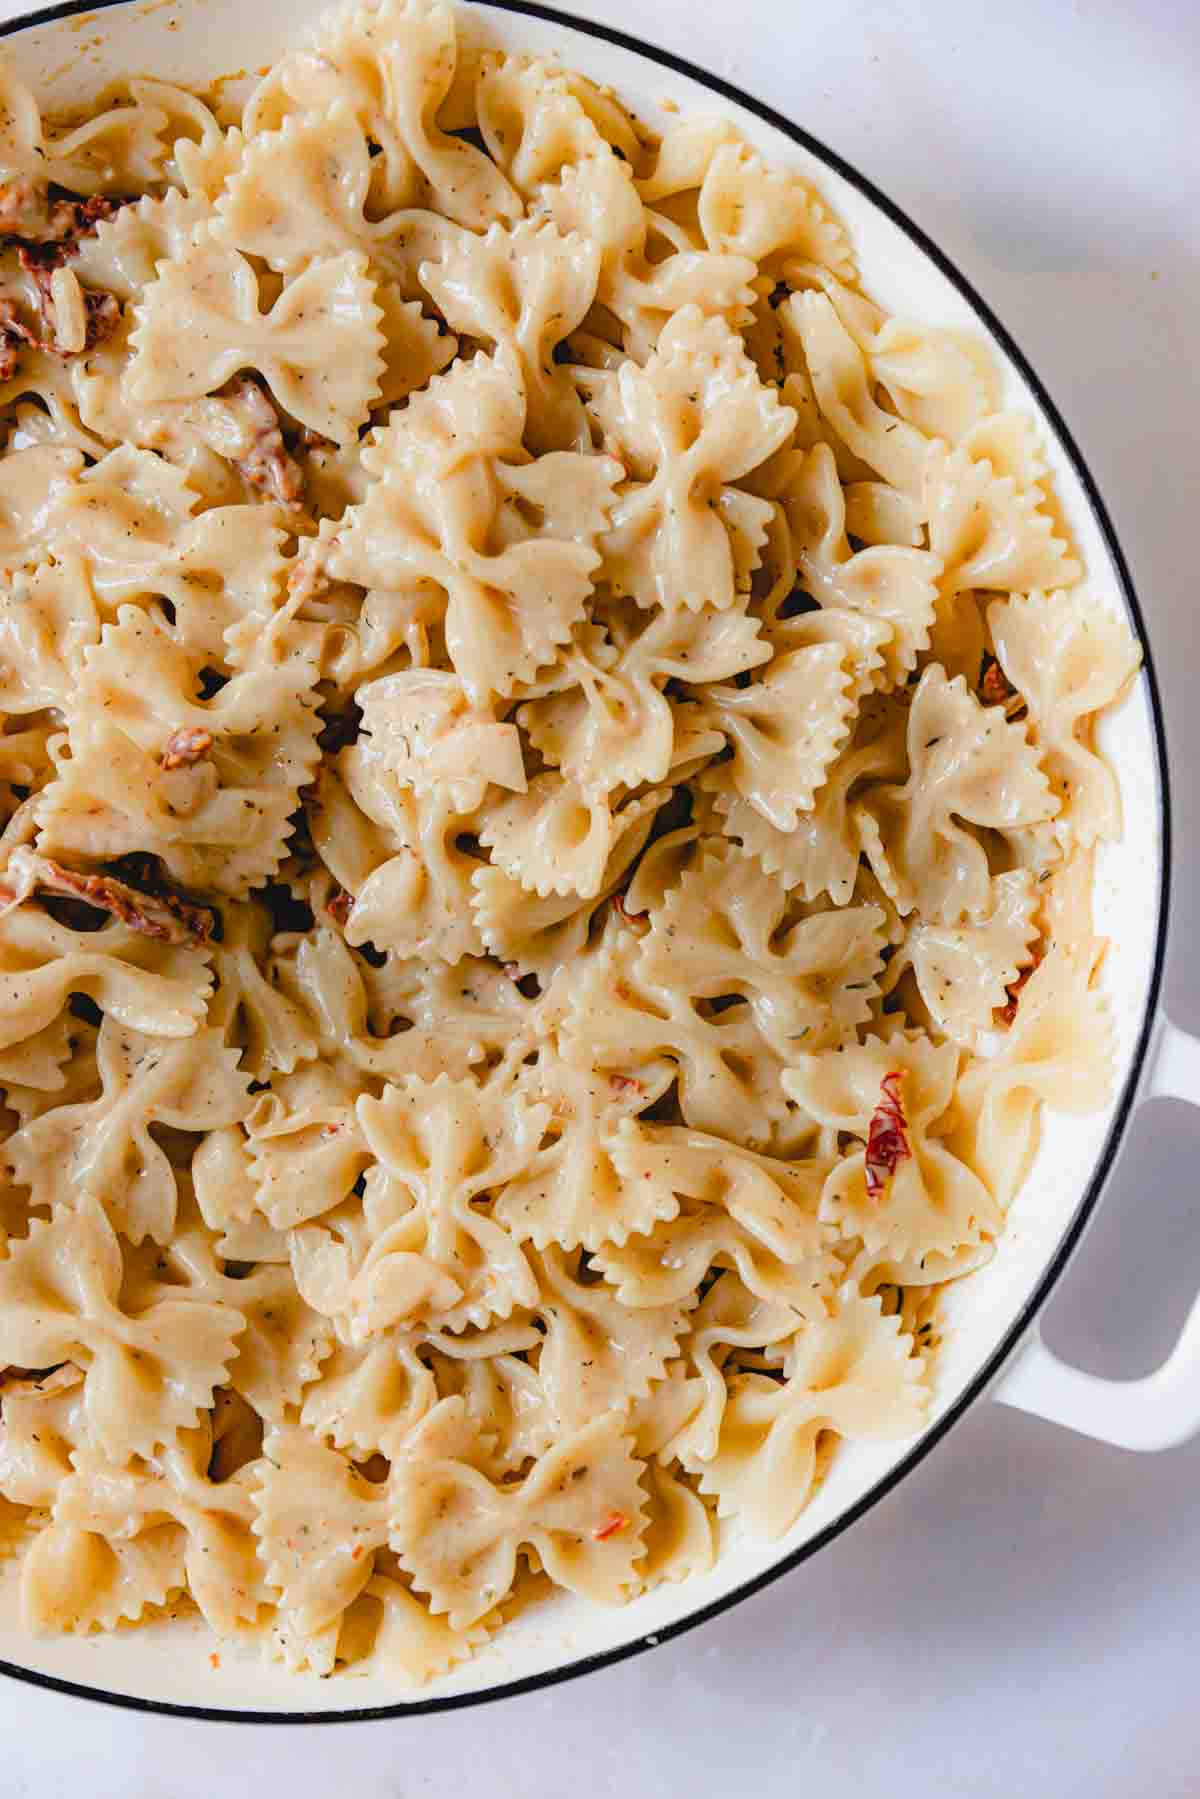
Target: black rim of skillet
{"type": "Point", "coordinates": [585, 1664]}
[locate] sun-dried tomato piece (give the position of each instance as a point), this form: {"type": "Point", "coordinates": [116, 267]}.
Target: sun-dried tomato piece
{"type": "Point", "coordinates": [185, 747]}
{"type": "Point", "coordinates": [52, 225]}
{"type": "Point", "coordinates": [12, 335]}
{"type": "Point", "coordinates": [1008, 1012]}
{"type": "Point", "coordinates": [887, 1136]}
{"type": "Point", "coordinates": [101, 313]}
{"type": "Point", "coordinates": [163, 915]}
{"type": "Point", "coordinates": [339, 907]}
{"type": "Point", "coordinates": [995, 688]}
{"type": "Point", "coordinates": [46, 232]}
{"type": "Point", "coordinates": [638, 922]}
{"type": "Point", "coordinates": [264, 460]}
{"type": "Point", "coordinates": [625, 1083]}
{"type": "Point", "coordinates": [610, 1527]}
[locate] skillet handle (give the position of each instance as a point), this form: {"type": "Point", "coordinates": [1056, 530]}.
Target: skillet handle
{"type": "Point", "coordinates": [1162, 1409]}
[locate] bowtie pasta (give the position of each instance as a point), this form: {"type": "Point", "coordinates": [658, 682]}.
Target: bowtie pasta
{"type": "Point", "coordinates": [548, 788]}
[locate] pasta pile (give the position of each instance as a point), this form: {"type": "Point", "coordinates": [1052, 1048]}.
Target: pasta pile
{"type": "Point", "coordinates": [549, 790]}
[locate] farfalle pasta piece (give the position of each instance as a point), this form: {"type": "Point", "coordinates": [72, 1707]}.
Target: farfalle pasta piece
{"type": "Point", "coordinates": [407, 1643]}
{"type": "Point", "coordinates": [55, 1068]}
{"type": "Point", "coordinates": [415, 347]}
{"type": "Point", "coordinates": [82, 1573]}
{"type": "Point", "coordinates": [1009, 442]}
{"type": "Point", "coordinates": [504, 1397]}
{"type": "Point", "coordinates": [532, 122]}
{"type": "Point", "coordinates": [968, 767]}
{"type": "Point", "coordinates": [319, 347]}
{"type": "Point", "coordinates": [33, 483]}
{"type": "Point", "coordinates": [411, 1017]}
{"type": "Point", "coordinates": [580, 1508]}
{"type": "Point", "coordinates": [425, 731]}
{"type": "Point", "coordinates": [218, 818]}
{"type": "Point", "coordinates": [438, 1146]}
{"type": "Point", "coordinates": [306, 1148]}
{"type": "Point", "coordinates": [114, 152]}
{"type": "Point", "coordinates": [820, 854]}
{"type": "Point", "coordinates": [663, 1414]}
{"type": "Point", "coordinates": [890, 584]}
{"type": "Point", "coordinates": [942, 381]}
{"type": "Point", "coordinates": [963, 971]}
{"type": "Point", "coordinates": [190, 122]}
{"type": "Point", "coordinates": [576, 1190]}
{"type": "Point", "coordinates": [395, 61]}
{"type": "Point", "coordinates": [75, 1580]}
{"type": "Point", "coordinates": [750, 209]}
{"type": "Point", "coordinates": [438, 516]}
{"type": "Point", "coordinates": [145, 984]}
{"type": "Point", "coordinates": [931, 1202]}
{"type": "Point", "coordinates": [853, 1374]}
{"type": "Point", "coordinates": [688, 425]}
{"type": "Point", "coordinates": [119, 255]}
{"type": "Point", "coordinates": [596, 199]}
{"type": "Point", "coordinates": [598, 1355]}
{"type": "Point", "coordinates": [123, 515]}
{"type": "Point", "coordinates": [755, 1214]}
{"type": "Point", "coordinates": [318, 1523]}
{"type": "Point", "coordinates": [679, 1538]}
{"type": "Point", "coordinates": [863, 639]}
{"type": "Point", "coordinates": [683, 154]}
{"type": "Point", "coordinates": [1058, 1051]}
{"type": "Point", "coordinates": [283, 1341]}
{"type": "Point", "coordinates": [728, 1076]}
{"type": "Point", "coordinates": [988, 531]}
{"type": "Point", "coordinates": [43, 1426]}
{"type": "Point", "coordinates": [523, 289]}
{"type": "Point", "coordinates": [840, 373]}
{"type": "Point", "coordinates": [731, 1326]}
{"type": "Point", "coordinates": [270, 1032]}
{"type": "Point", "coordinates": [224, 582]}
{"type": "Point", "coordinates": [371, 1395]}
{"type": "Point", "coordinates": [398, 854]}
{"type": "Point", "coordinates": [47, 620]}
{"type": "Point", "coordinates": [223, 1186]}
{"type": "Point", "coordinates": [303, 191]}
{"type": "Point", "coordinates": [147, 1375]}
{"type": "Point", "coordinates": [784, 729]}
{"type": "Point", "coordinates": [1068, 660]}
{"type": "Point", "coordinates": [725, 930]}
{"type": "Point", "coordinates": [556, 839]}
{"type": "Point", "coordinates": [541, 936]}
{"type": "Point", "coordinates": [104, 1146]}
{"type": "Point", "coordinates": [610, 723]}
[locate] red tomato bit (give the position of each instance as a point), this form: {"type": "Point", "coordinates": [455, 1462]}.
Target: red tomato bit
{"type": "Point", "coordinates": [616, 1521]}
{"type": "Point", "coordinates": [1008, 1013]}
{"type": "Point", "coordinates": [185, 747]}
{"type": "Point", "coordinates": [887, 1137]}
{"type": "Point", "coordinates": [995, 688]}
{"type": "Point", "coordinates": [622, 911]}
{"type": "Point", "coordinates": [340, 906]}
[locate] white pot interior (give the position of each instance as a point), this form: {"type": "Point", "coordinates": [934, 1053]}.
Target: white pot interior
{"type": "Point", "coordinates": [188, 41]}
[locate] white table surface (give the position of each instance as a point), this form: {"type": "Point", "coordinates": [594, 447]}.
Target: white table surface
{"type": "Point", "coordinates": [1021, 1617]}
